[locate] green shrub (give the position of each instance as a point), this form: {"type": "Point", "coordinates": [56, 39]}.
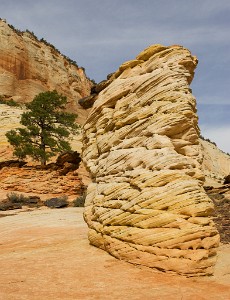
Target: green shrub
{"type": "Point", "coordinates": [57, 202]}
{"type": "Point", "coordinates": [17, 198]}
{"type": "Point", "coordinates": [46, 128]}
{"type": "Point", "coordinates": [10, 102]}
{"type": "Point", "coordinates": [79, 201]}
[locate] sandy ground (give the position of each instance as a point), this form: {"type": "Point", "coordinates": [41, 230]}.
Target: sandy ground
{"type": "Point", "coordinates": [45, 255]}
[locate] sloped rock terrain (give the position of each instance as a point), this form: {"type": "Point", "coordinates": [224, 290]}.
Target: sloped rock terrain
{"type": "Point", "coordinates": [146, 203]}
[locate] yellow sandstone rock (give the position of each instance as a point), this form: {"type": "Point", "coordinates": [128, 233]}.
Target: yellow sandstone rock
{"type": "Point", "coordinates": [146, 203]}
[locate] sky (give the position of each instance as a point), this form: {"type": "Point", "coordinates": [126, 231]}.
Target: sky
{"type": "Point", "coordinates": [102, 34]}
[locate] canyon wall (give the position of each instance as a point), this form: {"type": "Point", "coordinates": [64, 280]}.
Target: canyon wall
{"type": "Point", "coordinates": [29, 66]}
{"type": "Point", "coordinates": [146, 203]}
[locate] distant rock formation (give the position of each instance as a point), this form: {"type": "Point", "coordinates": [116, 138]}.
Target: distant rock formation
{"type": "Point", "coordinates": [29, 66]}
{"type": "Point", "coordinates": [146, 203]}
{"type": "Point", "coordinates": [215, 164]}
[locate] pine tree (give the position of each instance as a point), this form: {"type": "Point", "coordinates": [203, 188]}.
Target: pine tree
{"type": "Point", "coordinates": [46, 128]}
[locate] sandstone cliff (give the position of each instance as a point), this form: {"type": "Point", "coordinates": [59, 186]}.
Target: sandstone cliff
{"type": "Point", "coordinates": [215, 165]}
{"type": "Point", "coordinates": [29, 66]}
{"type": "Point", "coordinates": [146, 203]}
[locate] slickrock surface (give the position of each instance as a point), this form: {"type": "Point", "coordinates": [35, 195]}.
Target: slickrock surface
{"type": "Point", "coordinates": [146, 203]}
{"type": "Point", "coordinates": [29, 66]}
{"type": "Point", "coordinates": [45, 254]}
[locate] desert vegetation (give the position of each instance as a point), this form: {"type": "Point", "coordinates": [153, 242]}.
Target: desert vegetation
{"type": "Point", "coordinates": [80, 201]}
{"type": "Point", "coordinates": [45, 128]}
{"type": "Point", "coordinates": [9, 102]}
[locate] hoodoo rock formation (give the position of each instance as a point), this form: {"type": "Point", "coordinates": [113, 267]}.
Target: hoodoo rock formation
{"type": "Point", "coordinates": [146, 203]}
{"type": "Point", "coordinates": [29, 66]}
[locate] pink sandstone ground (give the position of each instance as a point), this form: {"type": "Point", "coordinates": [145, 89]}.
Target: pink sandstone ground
{"type": "Point", "coordinates": [45, 255]}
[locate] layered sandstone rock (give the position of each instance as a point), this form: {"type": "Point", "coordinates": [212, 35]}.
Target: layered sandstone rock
{"type": "Point", "coordinates": [29, 66]}
{"type": "Point", "coordinates": [46, 184]}
{"type": "Point", "coordinates": [146, 203]}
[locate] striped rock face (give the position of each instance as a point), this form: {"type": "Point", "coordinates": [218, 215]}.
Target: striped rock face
{"type": "Point", "coordinates": [146, 203]}
{"type": "Point", "coordinates": [29, 67]}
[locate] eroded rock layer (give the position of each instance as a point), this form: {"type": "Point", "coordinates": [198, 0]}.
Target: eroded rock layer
{"type": "Point", "coordinates": [29, 66]}
{"type": "Point", "coordinates": [146, 203]}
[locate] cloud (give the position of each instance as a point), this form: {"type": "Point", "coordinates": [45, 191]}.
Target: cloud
{"type": "Point", "coordinates": [214, 123]}
{"type": "Point", "coordinates": [214, 114]}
